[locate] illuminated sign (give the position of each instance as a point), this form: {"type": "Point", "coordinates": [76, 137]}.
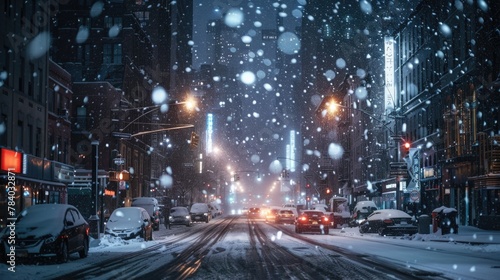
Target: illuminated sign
{"type": "Point", "coordinates": [11, 161]}
{"type": "Point", "coordinates": [209, 134]}
{"type": "Point", "coordinates": [109, 192]}
{"type": "Point", "coordinates": [389, 97]}
{"type": "Point", "coordinates": [291, 153]}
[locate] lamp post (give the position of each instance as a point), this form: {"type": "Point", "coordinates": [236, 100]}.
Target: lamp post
{"type": "Point", "coordinates": [94, 218]}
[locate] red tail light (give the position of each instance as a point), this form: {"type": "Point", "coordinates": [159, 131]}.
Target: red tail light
{"type": "Point", "coordinates": [303, 218]}
{"type": "Point", "coordinates": [388, 221]}
{"type": "Point", "coordinates": [325, 219]}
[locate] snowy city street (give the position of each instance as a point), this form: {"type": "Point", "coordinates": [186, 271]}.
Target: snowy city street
{"type": "Point", "coordinates": [472, 254]}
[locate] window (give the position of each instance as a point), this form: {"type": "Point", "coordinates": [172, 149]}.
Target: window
{"type": "Point", "coordinates": [30, 138]}
{"type": "Point", "coordinates": [38, 144]}
{"type": "Point", "coordinates": [20, 136]}
{"type": "Point", "coordinates": [112, 21]}
{"type": "Point", "coordinates": [112, 54]}
{"type": "Point", "coordinates": [81, 118]}
{"type": "Point", "coordinates": [4, 124]}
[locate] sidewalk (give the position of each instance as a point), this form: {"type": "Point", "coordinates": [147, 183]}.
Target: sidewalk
{"type": "Point", "coordinates": [467, 234]}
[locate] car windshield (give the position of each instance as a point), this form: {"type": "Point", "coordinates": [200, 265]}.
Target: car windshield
{"type": "Point", "coordinates": [199, 207]}
{"type": "Point", "coordinates": [179, 211]}
{"type": "Point", "coordinates": [125, 214]}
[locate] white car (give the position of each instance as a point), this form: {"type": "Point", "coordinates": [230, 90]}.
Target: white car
{"type": "Point", "coordinates": [129, 223]}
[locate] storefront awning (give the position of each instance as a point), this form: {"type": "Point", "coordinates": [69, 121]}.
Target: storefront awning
{"type": "Point", "coordinates": [37, 181]}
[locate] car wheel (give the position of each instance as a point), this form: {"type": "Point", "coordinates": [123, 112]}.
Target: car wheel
{"type": "Point", "coordinates": [362, 229]}
{"type": "Point", "coordinates": [297, 230]}
{"type": "Point", "coordinates": [85, 250]}
{"type": "Point", "coordinates": [381, 231]}
{"type": "Point", "coordinates": [63, 255]}
{"type": "Point", "coordinates": [327, 230]}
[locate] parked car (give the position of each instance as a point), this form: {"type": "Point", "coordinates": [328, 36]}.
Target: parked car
{"type": "Point", "coordinates": [361, 211]}
{"type": "Point", "coordinates": [200, 212]}
{"type": "Point", "coordinates": [48, 230]}
{"type": "Point", "coordinates": [130, 222]}
{"type": "Point", "coordinates": [254, 212]}
{"type": "Point", "coordinates": [285, 216]}
{"type": "Point", "coordinates": [217, 208]}
{"type": "Point", "coordinates": [152, 206]}
{"type": "Point", "coordinates": [180, 216]}
{"type": "Point", "coordinates": [312, 221]}
{"type": "Point", "coordinates": [388, 222]}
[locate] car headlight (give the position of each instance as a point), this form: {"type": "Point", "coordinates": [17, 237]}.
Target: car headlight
{"type": "Point", "coordinates": [50, 239]}
{"type": "Point", "coordinates": [187, 217]}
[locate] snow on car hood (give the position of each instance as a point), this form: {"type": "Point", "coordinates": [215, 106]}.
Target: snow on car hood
{"type": "Point", "coordinates": [123, 224]}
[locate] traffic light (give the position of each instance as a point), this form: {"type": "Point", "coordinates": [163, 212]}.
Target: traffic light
{"type": "Point", "coordinates": [308, 186]}
{"type": "Point", "coordinates": [115, 176]}
{"type": "Point", "coordinates": [112, 175]}
{"type": "Point", "coordinates": [124, 176]}
{"type": "Point", "coordinates": [194, 141]}
{"type": "Point", "coordinates": [407, 146]}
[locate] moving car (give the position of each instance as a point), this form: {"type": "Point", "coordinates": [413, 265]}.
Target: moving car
{"type": "Point", "coordinates": [388, 222]}
{"type": "Point", "coordinates": [152, 206]}
{"type": "Point", "coordinates": [200, 212]}
{"type": "Point", "coordinates": [285, 216]}
{"type": "Point", "coordinates": [272, 214]}
{"type": "Point", "coordinates": [130, 222]}
{"type": "Point", "coordinates": [312, 221]}
{"type": "Point", "coordinates": [180, 216]}
{"type": "Point", "coordinates": [254, 212]}
{"type": "Point", "coordinates": [48, 230]}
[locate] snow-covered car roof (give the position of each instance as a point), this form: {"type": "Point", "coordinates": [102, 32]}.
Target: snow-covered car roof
{"type": "Point", "coordinates": [199, 207]}
{"type": "Point", "coordinates": [444, 209]}
{"type": "Point", "coordinates": [388, 214]}
{"type": "Point", "coordinates": [43, 219]}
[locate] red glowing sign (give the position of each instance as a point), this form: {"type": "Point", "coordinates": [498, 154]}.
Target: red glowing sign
{"type": "Point", "coordinates": [11, 161]}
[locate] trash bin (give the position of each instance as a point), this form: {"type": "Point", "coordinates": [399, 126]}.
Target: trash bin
{"type": "Point", "coordinates": [435, 222]}
{"type": "Point", "coordinates": [424, 223]}
{"type": "Point", "coordinates": [448, 222]}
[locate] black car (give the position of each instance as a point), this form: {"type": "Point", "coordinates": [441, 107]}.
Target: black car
{"type": "Point", "coordinates": [312, 221]}
{"type": "Point", "coordinates": [48, 230]}
{"type": "Point", "coordinates": [388, 222]}
{"type": "Point", "coordinates": [180, 216]}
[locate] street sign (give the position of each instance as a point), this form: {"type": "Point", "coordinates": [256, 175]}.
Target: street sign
{"type": "Point", "coordinates": [119, 161]}
{"type": "Point", "coordinates": [122, 135]}
{"type": "Point", "coordinates": [415, 195]}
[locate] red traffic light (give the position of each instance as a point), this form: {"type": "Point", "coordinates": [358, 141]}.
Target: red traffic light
{"type": "Point", "coordinates": [308, 185]}
{"type": "Point", "coordinates": [407, 145]}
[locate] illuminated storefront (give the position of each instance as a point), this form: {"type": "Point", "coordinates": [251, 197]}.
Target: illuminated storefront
{"type": "Point", "coordinates": [26, 180]}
